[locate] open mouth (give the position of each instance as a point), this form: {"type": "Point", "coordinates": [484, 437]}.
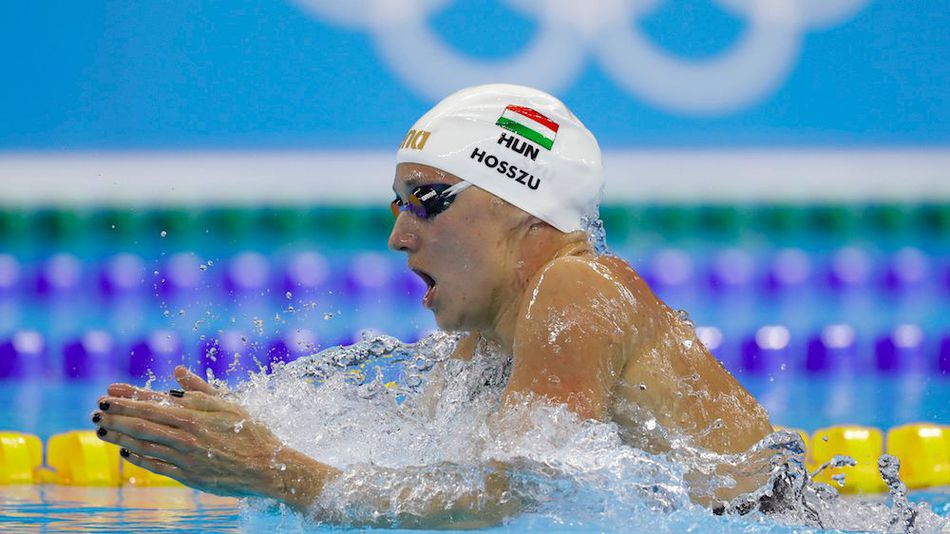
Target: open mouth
{"type": "Point", "coordinates": [430, 287]}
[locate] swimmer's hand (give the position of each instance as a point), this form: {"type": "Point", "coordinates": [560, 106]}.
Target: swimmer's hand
{"type": "Point", "coordinates": [206, 442]}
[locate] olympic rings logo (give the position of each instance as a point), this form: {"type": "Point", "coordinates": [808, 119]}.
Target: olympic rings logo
{"type": "Point", "coordinates": [745, 74]}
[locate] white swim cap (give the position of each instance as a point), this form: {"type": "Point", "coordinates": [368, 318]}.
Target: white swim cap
{"type": "Point", "coordinates": [520, 144]}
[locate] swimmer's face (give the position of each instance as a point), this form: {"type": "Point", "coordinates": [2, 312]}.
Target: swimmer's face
{"type": "Point", "coordinates": [464, 254]}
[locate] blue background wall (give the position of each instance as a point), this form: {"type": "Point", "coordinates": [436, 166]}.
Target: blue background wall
{"type": "Point", "coordinates": [271, 74]}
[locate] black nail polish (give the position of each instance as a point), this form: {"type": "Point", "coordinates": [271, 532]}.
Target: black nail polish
{"type": "Point", "coordinates": [101, 432]}
{"type": "Point", "coordinates": [96, 417]}
{"type": "Point", "coordinates": [124, 453]}
{"type": "Point", "coordinates": [104, 406]}
{"type": "Point", "coordinates": [176, 393]}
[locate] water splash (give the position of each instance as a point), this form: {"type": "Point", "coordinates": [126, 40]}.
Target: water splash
{"type": "Point", "coordinates": [410, 426]}
{"type": "Point", "coordinates": [596, 234]}
{"type": "Point", "coordinates": [792, 497]}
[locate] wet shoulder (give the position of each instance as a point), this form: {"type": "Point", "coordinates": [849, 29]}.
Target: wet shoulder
{"type": "Point", "coordinates": [584, 285]}
{"type": "Point", "coordinates": [624, 274]}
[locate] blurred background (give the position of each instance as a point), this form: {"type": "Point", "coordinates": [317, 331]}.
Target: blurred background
{"type": "Point", "coordinates": [207, 183]}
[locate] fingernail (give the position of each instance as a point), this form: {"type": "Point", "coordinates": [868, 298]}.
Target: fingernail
{"type": "Point", "coordinates": [176, 393]}
{"type": "Point", "coordinates": [124, 453]}
{"type": "Point", "coordinates": [101, 432]}
{"type": "Point", "coordinates": [103, 405]}
{"type": "Point", "coordinates": [96, 417]}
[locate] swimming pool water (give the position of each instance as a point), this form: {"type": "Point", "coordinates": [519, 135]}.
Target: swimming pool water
{"type": "Point", "coordinates": [167, 285]}
{"type": "Point", "coordinates": [132, 509]}
{"type": "Point", "coordinates": [46, 409]}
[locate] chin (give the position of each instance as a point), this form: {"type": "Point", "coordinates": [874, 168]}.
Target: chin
{"type": "Point", "coordinates": [447, 323]}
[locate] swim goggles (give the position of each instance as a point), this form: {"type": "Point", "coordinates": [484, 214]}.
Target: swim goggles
{"type": "Point", "coordinates": [427, 201]}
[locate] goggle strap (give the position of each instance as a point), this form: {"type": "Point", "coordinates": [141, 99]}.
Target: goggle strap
{"type": "Point", "coordinates": [456, 189]}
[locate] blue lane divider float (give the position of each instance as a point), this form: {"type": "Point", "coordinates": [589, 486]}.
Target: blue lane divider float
{"type": "Point", "coordinates": [770, 349]}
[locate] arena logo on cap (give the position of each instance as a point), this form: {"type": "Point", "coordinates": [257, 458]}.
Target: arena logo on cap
{"type": "Point", "coordinates": [415, 139]}
{"type": "Point", "coordinates": [529, 124]}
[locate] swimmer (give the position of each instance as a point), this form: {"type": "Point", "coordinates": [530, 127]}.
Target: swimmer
{"type": "Point", "coordinates": [493, 187]}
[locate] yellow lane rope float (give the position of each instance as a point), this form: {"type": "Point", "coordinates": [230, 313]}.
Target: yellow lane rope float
{"type": "Point", "coordinates": [79, 458]}
{"type": "Point", "coordinates": [76, 458]}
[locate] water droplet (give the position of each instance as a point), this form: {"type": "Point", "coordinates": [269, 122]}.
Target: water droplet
{"type": "Point", "coordinates": [650, 425]}
{"type": "Point", "coordinates": [155, 273]}
{"type": "Point", "coordinates": [181, 312]}
{"type": "Point", "coordinates": [683, 316]}
{"type": "Point", "coordinates": [163, 233]}
{"type": "Point", "coordinates": [202, 267]}
{"type": "Point", "coordinates": [839, 478]}
{"type": "Point", "coordinates": [210, 263]}
{"type": "Point", "coordinates": [643, 387]}
{"type": "Point", "coordinates": [289, 295]}
{"type": "Point", "coordinates": [167, 313]}
{"type": "Point", "coordinates": [327, 316]}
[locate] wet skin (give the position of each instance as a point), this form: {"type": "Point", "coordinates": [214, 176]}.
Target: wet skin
{"type": "Point", "coordinates": [583, 330]}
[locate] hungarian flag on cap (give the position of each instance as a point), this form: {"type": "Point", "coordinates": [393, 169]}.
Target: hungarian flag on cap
{"type": "Point", "coordinates": [529, 124]}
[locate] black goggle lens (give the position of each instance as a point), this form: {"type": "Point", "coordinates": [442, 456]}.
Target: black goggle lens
{"type": "Point", "coordinates": [425, 201]}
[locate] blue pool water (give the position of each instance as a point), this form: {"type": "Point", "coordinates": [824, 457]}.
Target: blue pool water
{"type": "Point", "coordinates": [843, 323]}
{"type": "Point", "coordinates": [46, 409]}
{"type": "Point", "coordinates": [58, 509]}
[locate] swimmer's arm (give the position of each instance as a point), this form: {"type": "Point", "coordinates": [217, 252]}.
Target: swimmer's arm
{"type": "Point", "coordinates": [569, 345]}
{"type": "Point", "coordinates": [472, 508]}
{"type": "Point", "coordinates": [213, 445]}
{"type": "Point", "coordinates": [207, 443]}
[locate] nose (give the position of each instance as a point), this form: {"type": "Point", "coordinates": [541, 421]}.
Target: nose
{"type": "Point", "coordinates": [402, 238]}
